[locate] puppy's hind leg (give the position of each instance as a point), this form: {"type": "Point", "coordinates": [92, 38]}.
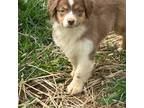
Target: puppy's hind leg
{"type": "Point", "coordinates": [123, 44]}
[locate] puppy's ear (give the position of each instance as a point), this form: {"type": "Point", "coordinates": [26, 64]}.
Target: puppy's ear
{"type": "Point", "coordinates": [88, 7]}
{"type": "Point", "coordinates": [52, 4]}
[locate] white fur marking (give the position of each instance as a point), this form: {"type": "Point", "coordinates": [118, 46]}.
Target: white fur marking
{"type": "Point", "coordinates": [67, 39]}
{"type": "Point", "coordinates": [71, 2]}
{"type": "Point", "coordinates": [84, 66]}
{"type": "Point", "coordinates": [68, 16]}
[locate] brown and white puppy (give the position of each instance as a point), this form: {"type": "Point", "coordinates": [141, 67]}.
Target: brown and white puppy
{"type": "Point", "coordinates": [78, 28]}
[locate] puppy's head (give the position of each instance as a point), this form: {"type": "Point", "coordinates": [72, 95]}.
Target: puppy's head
{"type": "Point", "coordinates": [70, 13]}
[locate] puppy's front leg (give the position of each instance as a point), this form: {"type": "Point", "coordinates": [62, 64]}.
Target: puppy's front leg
{"type": "Point", "coordinates": [73, 71]}
{"type": "Point", "coordinates": [74, 65]}
{"type": "Point", "coordinates": [81, 75]}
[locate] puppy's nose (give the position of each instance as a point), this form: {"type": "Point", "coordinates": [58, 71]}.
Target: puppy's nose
{"type": "Point", "coordinates": [71, 22]}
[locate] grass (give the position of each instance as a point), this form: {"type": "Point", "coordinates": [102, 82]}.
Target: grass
{"type": "Point", "coordinates": [44, 70]}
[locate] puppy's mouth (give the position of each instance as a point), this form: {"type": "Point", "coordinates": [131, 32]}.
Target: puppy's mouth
{"type": "Point", "coordinates": [72, 26]}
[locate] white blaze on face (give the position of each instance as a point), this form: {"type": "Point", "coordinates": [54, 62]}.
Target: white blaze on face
{"type": "Point", "coordinates": [71, 2]}
{"type": "Point", "coordinates": [69, 15]}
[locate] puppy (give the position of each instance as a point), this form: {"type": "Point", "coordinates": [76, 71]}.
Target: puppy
{"type": "Point", "coordinates": [78, 28]}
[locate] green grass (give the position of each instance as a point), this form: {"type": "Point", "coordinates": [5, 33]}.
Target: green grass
{"type": "Point", "coordinates": [114, 92]}
{"type": "Point", "coordinates": [35, 42]}
{"type": "Point", "coordinates": [38, 55]}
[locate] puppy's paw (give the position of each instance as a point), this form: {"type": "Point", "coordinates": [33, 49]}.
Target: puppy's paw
{"type": "Point", "coordinates": [75, 87]}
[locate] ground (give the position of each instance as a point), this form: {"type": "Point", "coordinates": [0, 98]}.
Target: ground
{"type": "Point", "coordinates": [44, 70]}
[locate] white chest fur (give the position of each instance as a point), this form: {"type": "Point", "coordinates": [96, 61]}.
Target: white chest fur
{"type": "Point", "coordinates": [68, 39]}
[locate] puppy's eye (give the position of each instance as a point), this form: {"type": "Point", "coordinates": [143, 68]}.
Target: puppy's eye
{"type": "Point", "coordinates": [61, 11]}
{"type": "Point", "coordinates": [80, 12]}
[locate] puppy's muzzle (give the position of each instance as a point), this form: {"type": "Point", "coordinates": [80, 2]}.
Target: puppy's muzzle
{"type": "Point", "coordinates": [71, 22]}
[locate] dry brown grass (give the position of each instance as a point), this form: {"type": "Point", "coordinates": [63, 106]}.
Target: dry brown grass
{"type": "Point", "coordinates": [50, 91]}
